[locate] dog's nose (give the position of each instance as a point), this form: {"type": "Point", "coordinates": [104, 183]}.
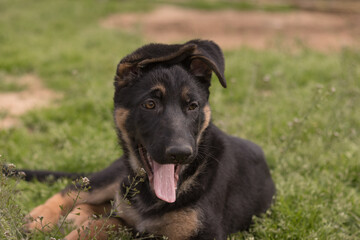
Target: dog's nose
{"type": "Point", "coordinates": [178, 154]}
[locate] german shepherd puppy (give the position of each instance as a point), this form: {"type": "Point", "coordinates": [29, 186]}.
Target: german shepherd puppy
{"type": "Point", "coordinates": [192, 180]}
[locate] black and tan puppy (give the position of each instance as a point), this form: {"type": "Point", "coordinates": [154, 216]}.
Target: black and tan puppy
{"type": "Point", "coordinates": [199, 182]}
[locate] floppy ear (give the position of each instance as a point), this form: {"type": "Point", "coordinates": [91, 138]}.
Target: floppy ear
{"type": "Point", "coordinates": [125, 73]}
{"type": "Point", "coordinates": [207, 58]}
{"type": "Point", "coordinates": [200, 57]}
{"type": "Point", "coordinates": [131, 66]}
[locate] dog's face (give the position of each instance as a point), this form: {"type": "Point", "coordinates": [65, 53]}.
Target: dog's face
{"type": "Point", "coordinates": [161, 110]}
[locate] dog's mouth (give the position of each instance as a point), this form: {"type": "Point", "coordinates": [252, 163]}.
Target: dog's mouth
{"type": "Point", "coordinates": [163, 178]}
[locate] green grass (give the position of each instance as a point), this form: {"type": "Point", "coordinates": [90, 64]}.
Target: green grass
{"type": "Point", "coordinates": [235, 5]}
{"type": "Point", "coordinates": [302, 108]}
{"type": "Point", "coordinates": [9, 86]}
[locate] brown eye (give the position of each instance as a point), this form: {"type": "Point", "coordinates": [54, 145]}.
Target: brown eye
{"type": "Point", "coordinates": [193, 106]}
{"type": "Point", "coordinates": [149, 104]}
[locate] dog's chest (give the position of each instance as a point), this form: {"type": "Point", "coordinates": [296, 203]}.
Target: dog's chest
{"type": "Point", "coordinates": [176, 225]}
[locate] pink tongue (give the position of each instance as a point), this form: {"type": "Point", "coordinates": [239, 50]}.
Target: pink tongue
{"type": "Point", "coordinates": [164, 181]}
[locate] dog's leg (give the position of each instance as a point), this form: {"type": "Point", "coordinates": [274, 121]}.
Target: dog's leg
{"type": "Point", "coordinates": [84, 212]}
{"type": "Point", "coordinates": [95, 229]}
{"type": "Point", "coordinates": [102, 188]}
{"type": "Point", "coordinates": [91, 221]}
{"type": "Point", "coordinates": [46, 216]}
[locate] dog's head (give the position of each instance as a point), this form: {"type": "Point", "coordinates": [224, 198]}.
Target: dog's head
{"type": "Point", "coordinates": [161, 107]}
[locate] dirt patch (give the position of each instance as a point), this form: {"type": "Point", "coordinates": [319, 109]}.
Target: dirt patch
{"type": "Point", "coordinates": [233, 29]}
{"type": "Point", "coordinates": [14, 104]}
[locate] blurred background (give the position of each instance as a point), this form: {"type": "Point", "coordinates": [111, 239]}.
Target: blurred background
{"type": "Point", "coordinates": [324, 25]}
{"type": "Point", "coordinates": [282, 25]}
{"type": "Point", "coordinates": [293, 74]}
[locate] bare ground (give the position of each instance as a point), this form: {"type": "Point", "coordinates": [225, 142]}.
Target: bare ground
{"type": "Point", "coordinates": [14, 104]}
{"type": "Point", "coordinates": [232, 29]}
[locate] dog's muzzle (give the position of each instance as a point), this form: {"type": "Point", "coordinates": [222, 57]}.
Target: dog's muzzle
{"type": "Point", "coordinates": [163, 178]}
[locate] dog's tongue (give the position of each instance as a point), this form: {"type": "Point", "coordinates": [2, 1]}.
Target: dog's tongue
{"type": "Point", "coordinates": [164, 181]}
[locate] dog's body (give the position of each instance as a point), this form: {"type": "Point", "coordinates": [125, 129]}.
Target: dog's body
{"type": "Point", "coordinates": [199, 183]}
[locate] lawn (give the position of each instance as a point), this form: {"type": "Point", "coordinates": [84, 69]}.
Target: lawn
{"type": "Point", "coordinates": [302, 107]}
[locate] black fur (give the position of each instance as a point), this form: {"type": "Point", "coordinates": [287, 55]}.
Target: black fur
{"type": "Point", "coordinates": [229, 181]}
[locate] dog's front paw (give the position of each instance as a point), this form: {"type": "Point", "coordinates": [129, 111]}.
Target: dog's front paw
{"type": "Point", "coordinates": [43, 218]}
{"type": "Point", "coordinates": [46, 216]}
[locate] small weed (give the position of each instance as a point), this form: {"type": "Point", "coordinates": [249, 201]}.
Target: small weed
{"type": "Point", "coordinates": [10, 213]}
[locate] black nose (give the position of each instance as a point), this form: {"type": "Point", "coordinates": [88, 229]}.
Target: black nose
{"type": "Point", "coordinates": [178, 154]}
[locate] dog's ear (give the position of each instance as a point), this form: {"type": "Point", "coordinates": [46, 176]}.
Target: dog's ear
{"type": "Point", "coordinates": [132, 65]}
{"type": "Point", "coordinates": [125, 73]}
{"type": "Point", "coordinates": [207, 58]}
{"type": "Point", "coordinates": [200, 57]}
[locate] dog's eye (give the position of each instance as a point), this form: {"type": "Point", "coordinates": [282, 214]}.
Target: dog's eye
{"type": "Point", "coordinates": [150, 104]}
{"type": "Point", "coordinates": [193, 106]}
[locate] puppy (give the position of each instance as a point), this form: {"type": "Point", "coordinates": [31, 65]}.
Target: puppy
{"type": "Point", "coordinates": [192, 180]}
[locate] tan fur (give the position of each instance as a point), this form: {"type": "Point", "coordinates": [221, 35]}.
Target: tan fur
{"type": "Point", "coordinates": [121, 115]}
{"type": "Point", "coordinates": [184, 93]}
{"type": "Point", "coordinates": [180, 225]}
{"type": "Point", "coordinates": [176, 225]}
{"type": "Point", "coordinates": [61, 203]}
{"type": "Point", "coordinates": [207, 113]}
{"type": "Point", "coordinates": [159, 87]}
{"type": "Point", "coordinates": [83, 212]}
{"type": "Point", "coordinates": [50, 212]}
{"type": "Point", "coordinates": [122, 71]}
{"type": "Point", "coordinates": [95, 229]}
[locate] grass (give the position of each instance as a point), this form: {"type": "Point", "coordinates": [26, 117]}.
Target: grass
{"type": "Point", "coordinates": [302, 108]}
{"type": "Point", "coordinates": [9, 85]}
{"type": "Point", "coordinates": [236, 5]}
